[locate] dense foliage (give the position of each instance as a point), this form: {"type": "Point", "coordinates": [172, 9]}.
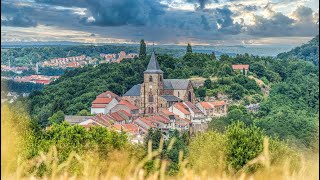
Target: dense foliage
{"type": "Point", "coordinates": [308, 51]}
{"type": "Point", "coordinates": [18, 87]}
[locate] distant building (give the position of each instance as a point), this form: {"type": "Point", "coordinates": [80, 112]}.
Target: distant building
{"type": "Point", "coordinates": [253, 107]}
{"type": "Point", "coordinates": [243, 68]}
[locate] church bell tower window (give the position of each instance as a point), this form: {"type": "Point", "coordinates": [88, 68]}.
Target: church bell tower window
{"type": "Point", "coordinates": [150, 78]}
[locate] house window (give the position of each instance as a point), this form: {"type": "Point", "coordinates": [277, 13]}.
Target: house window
{"type": "Point", "coordinates": [160, 105]}
{"type": "Point", "coordinates": [150, 78]}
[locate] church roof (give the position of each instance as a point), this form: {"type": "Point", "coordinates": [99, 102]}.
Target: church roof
{"type": "Point", "coordinates": [175, 83]}
{"type": "Point", "coordinates": [153, 66]}
{"type": "Point", "coordinates": [171, 98]}
{"type": "Point", "coordinates": [134, 91]}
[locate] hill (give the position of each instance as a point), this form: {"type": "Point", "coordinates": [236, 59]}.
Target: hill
{"type": "Point", "coordinates": [307, 52]}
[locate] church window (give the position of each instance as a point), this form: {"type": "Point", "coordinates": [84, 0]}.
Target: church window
{"type": "Point", "coordinates": [160, 78]}
{"type": "Point", "coordinates": [150, 78]}
{"type": "Point", "coordinates": [189, 96]}
{"type": "Point", "coordinates": [178, 94]}
{"type": "Point", "coordinates": [150, 98]}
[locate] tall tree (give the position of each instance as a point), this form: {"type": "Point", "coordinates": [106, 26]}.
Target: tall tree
{"type": "Point", "coordinates": [142, 53]}
{"type": "Point", "coordinates": [189, 48]}
{"type": "Point", "coordinates": [213, 56]}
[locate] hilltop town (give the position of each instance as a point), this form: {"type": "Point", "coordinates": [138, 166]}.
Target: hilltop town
{"type": "Point", "coordinates": [157, 103]}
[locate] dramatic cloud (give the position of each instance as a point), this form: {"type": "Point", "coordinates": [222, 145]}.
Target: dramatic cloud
{"type": "Point", "coordinates": [162, 21]}
{"type": "Point", "coordinates": [280, 25]}
{"type": "Point", "coordinates": [19, 21]}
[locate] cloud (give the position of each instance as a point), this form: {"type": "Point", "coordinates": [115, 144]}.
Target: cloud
{"type": "Point", "coordinates": [205, 23]}
{"type": "Point", "coordinates": [301, 24]}
{"type": "Point", "coordinates": [158, 20]}
{"type": "Point", "coordinates": [19, 21]}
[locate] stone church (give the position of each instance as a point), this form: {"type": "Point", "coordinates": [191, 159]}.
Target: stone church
{"type": "Point", "coordinates": [156, 93]}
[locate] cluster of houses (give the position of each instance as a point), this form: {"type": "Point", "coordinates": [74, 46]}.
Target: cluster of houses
{"type": "Point", "coordinates": [112, 111]}
{"type": "Point", "coordinates": [111, 58]}
{"type": "Point", "coordinates": [37, 79]}
{"type": "Point", "coordinates": [15, 69]}
{"type": "Point", "coordinates": [69, 62]}
{"type": "Point", "coordinates": [157, 103]}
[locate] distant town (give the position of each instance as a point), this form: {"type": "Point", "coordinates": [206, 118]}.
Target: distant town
{"type": "Point", "coordinates": [61, 63]}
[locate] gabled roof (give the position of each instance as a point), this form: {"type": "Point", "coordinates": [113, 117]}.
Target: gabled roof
{"type": "Point", "coordinates": [192, 107]}
{"type": "Point", "coordinates": [98, 105]}
{"type": "Point", "coordinates": [179, 84]}
{"type": "Point", "coordinates": [134, 91]}
{"type": "Point", "coordinates": [102, 101]}
{"type": "Point", "coordinates": [206, 105]}
{"type": "Point", "coordinates": [167, 112]}
{"type": "Point", "coordinates": [128, 104]}
{"type": "Point", "coordinates": [240, 66]}
{"type": "Point", "coordinates": [181, 107]}
{"type": "Point", "coordinates": [145, 120]}
{"type": "Point", "coordinates": [218, 103]}
{"type": "Point", "coordinates": [131, 128]}
{"type": "Point", "coordinates": [116, 116]}
{"type": "Point", "coordinates": [160, 118]}
{"type": "Point", "coordinates": [153, 66]}
{"type": "Point", "coordinates": [76, 119]}
{"type": "Point", "coordinates": [125, 113]}
{"type": "Point", "coordinates": [171, 98]}
{"type": "Point", "coordinates": [103, 119]}
{"type": "Point", "coordinates": [107, 94]}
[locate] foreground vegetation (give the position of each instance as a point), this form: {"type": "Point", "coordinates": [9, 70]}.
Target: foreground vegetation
{"type": "Point", "coordinates": [65, 151]}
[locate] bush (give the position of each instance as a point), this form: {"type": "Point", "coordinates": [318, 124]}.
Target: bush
{"type": "Point", "coordinates": [243, 144]}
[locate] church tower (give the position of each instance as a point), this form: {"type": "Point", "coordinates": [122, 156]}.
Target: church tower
{"type": "Point", "coordinates": [152, 87]}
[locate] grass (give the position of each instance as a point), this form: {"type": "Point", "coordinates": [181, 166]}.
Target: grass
{"type": "Point", "coordinates": [119, 165]}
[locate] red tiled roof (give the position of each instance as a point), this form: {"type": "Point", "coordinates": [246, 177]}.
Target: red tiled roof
{"type": "Point", "coordinates": [107, 94]}
{"type": "Point", "coordinates": [218, 103]}
{"type": "Point", "coordinates": [128, 104]}
{"type": "Point", "coordinates": [206, 105]}
{"type": "Point", "coordinates": [116, 116]}
{"type": "Point", "coordinates": [182, 121]}
{"type": "Point", "coordinates": [193, 107]}
{"type": "Point", "coordinates": [240, 66]}
{"type": "Point", "coordinates": [160, 119]}
{"type": "Point", "coordinates": [125, 113]}
{"type": "Point", "coordinates": [146, 121]}
{"type": "Point", "coordinates": [98, 106]}
{"type": "Point", "coordinates": [40, 81]}
{"type": "Point", "coordinates": [167, 112]}
{"type": "Point", "coordinates": [181, 107]}
{"type": "Point", "coordinates": [104, 119]}
{"type": "Point", "coordinates": [102, 101]}
{"type": "Point", "coordinates": [131, 128]}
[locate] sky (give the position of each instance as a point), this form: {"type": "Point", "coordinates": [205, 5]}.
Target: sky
{"type": "Point", "coordinates": [200, 22]}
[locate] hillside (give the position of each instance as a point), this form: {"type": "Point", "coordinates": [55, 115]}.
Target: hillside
{"type": "Point", "coordinates": [308, 52]}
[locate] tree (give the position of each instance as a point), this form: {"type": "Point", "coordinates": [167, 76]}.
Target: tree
{"type": "Point", "coordinates": [56, 118]}
{"type": "Point", "coordinates": [208, 83]}
{"type": "Point", "coordinates": [84, 112]}
{"type": "Point", "coordinates": [213, 56]}
{"type": "Point", "coordinates": [189, 48]}
{"type": "Point", "coordinates": [142, 52]}
{"type": "Point", "coordinates": [243, 144]}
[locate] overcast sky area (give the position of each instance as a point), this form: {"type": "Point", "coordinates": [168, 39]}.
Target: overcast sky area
{"type": "Point", "coordinates": [206, 22]}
